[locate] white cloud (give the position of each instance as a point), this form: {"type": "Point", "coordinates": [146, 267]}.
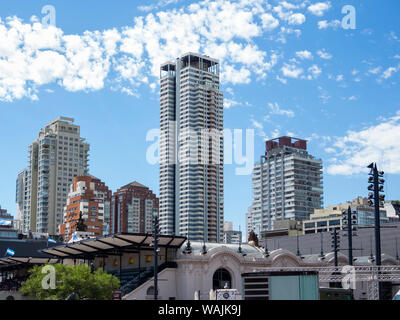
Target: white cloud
{"type": "Point", "coordinates": [339, 78]}
{"type": "Point", "coordinates": [378, 143]}
{"type": "Point", "coordinates": [324, 24]}
{"type": "Point", "coordinates": [269, 22]}
{"type": "Point", "coordinates": [324, 55]}
{"type": "Point", "coordinates": [324, 95]}
{"type": "Point", "coordinates": [277, 110]}
{"type": "Point", "coordinates": [390, 71]}
{"type": "Point", "coordinates": [283, 80]}
{"type": "Point", "coordinates": [375, 70]}
{"type": "Point", "coordinates": [315, 71]}
{"type": "Point", "coordinates": [330, 150]}
{"type": "Point", "coordinates": [159, 4]}
{"type": "Point", "coordinates": [230, 103]}
{"type": "Point", "coordinates": [319, 8]}
{"type": "Point", "coordinates": [291, 71]}
{"type": "Point", "coordinates": [259, 128]}
{"type": "Point", "coordinates": [304, 54]}
{"type": "Point", "coordinates": [32, 55]}
{"type": "Point", "coordinates": [296, 19]}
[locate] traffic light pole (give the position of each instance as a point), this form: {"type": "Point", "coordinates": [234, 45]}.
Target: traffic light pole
{"type": "Point", "coordinates": [350, 235]}
{"type": "Point", "coordinates": [377, 224]}
{"type": "Point", "coordinates": [335, 250]}
{"type": "Point", "coordinates": [377, 218]}
{"type": "Point", "coordinates": [155, 256]}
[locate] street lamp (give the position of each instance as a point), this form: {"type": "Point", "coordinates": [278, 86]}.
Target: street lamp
{"type": "Point", "coordinates": [155, 215]}
{"type": "Point", "coordinates": [376, 199]}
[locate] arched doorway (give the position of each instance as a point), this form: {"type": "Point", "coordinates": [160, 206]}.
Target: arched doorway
{"type": "Point", "coordinates": [222, 279]}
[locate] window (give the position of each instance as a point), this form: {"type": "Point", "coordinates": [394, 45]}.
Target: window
{"type": "Point", "coordinates": [222, 279]}
{"type": "Point", "coordinates": [321, 223]}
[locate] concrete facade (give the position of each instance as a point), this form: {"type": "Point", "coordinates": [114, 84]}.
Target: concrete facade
{"type": "Point", "coordinates": [196, 271]}
{"type": "Point", "coordinates": [132, 209]}
{"type": "Point", "coordinates": [332, 217]}
{"type": "Point", "coordinates": [55, 159]}
{"type": "Point", "coordinates": [287, 184]}
{"type": "Point", "coordinates": [92, 197]}
{"type": "Point", "coordinates": [191, 148]}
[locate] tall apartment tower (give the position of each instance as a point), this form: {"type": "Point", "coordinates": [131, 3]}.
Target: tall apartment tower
{"type": "Point", "coordinates": [57, 156]}
{"type": "Point", "coordinates": [132, 209]}
{"type": "Point", "coordinates": [20, 197]}
{"type": "Point", "coordinates": [191, 148]}
{"type": "Point", "coordinates": [91, 197]}
{"type": "Point", "coordinates": [287, 184]}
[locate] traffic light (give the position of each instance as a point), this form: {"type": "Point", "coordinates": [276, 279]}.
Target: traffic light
{"type": "Point", "coordinates": [375, 186]}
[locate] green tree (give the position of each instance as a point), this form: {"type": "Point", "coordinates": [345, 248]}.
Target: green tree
{"type": "Point", "coordinates": [79, 279]}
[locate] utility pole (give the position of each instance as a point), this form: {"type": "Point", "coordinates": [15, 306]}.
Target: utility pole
{"type": "Point", "coordinates": [376, 186]}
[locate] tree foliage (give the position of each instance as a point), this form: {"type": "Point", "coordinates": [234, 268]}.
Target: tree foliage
{"type": "Point", "coordinates": [79, 279]}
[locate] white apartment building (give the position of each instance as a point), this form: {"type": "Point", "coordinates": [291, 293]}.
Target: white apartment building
{"type": "Point", "coordinates": [229, 235]}
{"type": "Point", "coordinates": [19, 197]}
{"type": "Point", "coordinates": [56, 157]}
{"type": "Point", "coordinates": [191, 148]}
{"type": "Point", "coordinates": [287, 184]}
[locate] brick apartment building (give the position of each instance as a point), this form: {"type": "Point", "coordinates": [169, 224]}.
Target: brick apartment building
{"type": "Point", "coordinates": [132, 208]}
{"type": "Point", "coordinates": [92, 197]}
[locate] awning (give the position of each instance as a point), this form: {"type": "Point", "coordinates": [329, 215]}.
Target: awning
{"type": "Point", "coordinates": [14, 261]}
{"type": "Point", "coordinates": [112, 244]}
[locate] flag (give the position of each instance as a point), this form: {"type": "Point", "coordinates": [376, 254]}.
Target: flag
{"type": "Point", "coordinates": [51, 240]}
{"type": "Point", "coordinates": [10, 252]}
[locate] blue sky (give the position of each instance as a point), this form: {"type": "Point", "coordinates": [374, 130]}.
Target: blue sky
{"type": "Point", "coordinates": [288, 67]}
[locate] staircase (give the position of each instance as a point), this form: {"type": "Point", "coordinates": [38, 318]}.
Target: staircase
{"type": "Point", "coordinates": [133, 278]}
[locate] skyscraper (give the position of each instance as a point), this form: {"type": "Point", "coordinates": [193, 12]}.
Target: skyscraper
{"type": "Point", "coordinates": [132, 209]}
{"type": "Point", "coordinates": [287, 184]}
{"type": "Point", "coordinates": [191, 148]}
{"type": "Point", "coordinates": [20, 196]}
{"type": "Point", "coordinates": [55, 159]}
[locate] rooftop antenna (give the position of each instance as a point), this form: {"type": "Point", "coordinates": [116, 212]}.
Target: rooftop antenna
{"type": "Point", "coordinates": [240, 243]}
{"type": "Point", "coordinates": [204, 251]}
{"type": "Point", "coordinates": [266, 253]}
{"type": "Point", "coordinates": [322, 246]}
{"type": "Point", "coordinates": [298, 247]}
{"type": "Point", "coordinates": [188, 248]}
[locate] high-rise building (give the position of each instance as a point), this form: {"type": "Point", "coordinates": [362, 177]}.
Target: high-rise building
{"type": "Point", "coordinates": [191, 148]}
{"type": "Point", "coordinates": [91, 197]}
{"type": "Point", "coordinates": [231, 236]}
{"type": "Point", "coordinates": [20, 197]}
{"type": "Point", "coordinates": [287, 184]}
{"type": "Point", "coordinates": [132, 209]}
{"type": "Point", "coordinates": [57, 156]}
